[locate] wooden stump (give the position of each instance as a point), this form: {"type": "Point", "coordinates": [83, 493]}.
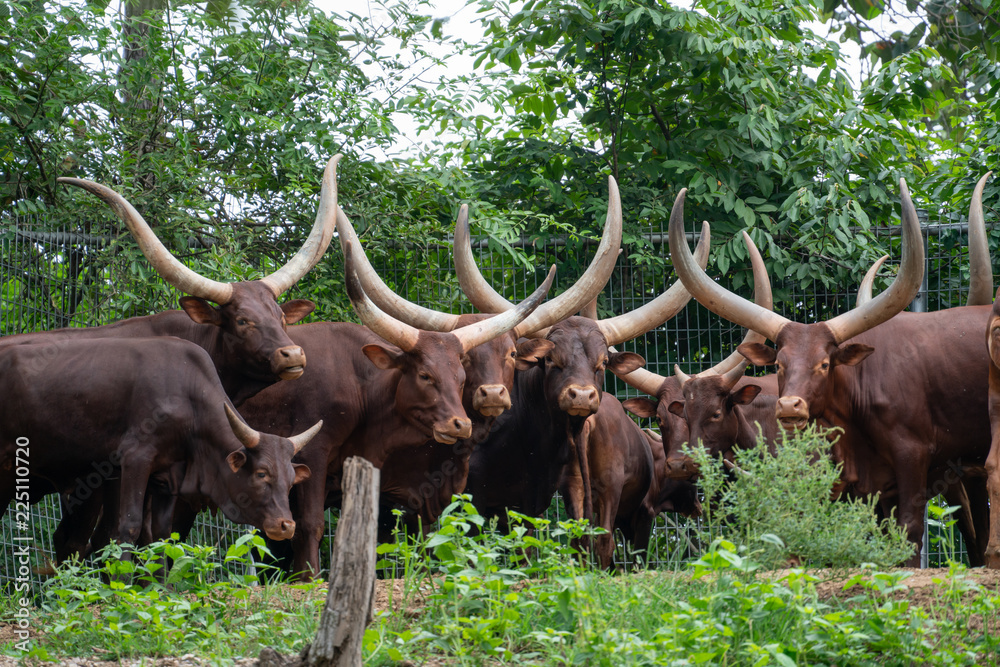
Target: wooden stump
{"type": "Point", "coordinates": [352, 572]}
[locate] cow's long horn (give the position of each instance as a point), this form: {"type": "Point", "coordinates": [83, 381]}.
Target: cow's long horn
{"type": "Point", "coordinates": [302, 439]}
{"type": "Point", "coordinates": [400, 334]}
{"type": "Point", "coordinates": [681, 376]}
{"type": "Point", "coordinates": [865, 288]}
{"type": "Point", "coordinates": [319, 238]}
{"type": "Point", "coordinates": [482, 331]}
{"type": "Point", "coordinates": [902, 290]}
{"type": "Point", "coordinates": [627, 326]}
{"type": "Point", "coordinates": [649, 382]}
{"type": "Point", "coordinates": [246, 435]}
{"type": "Point", "coordinates": [761, 296]}
{"type": "Point", "coordinates": [163, 261]}
{"type": "Point", "coordinates": [732, 376]}
{"type": "Point", "coordinates": [980, 268]}
{"type": "Point", "coordinates": [383, 297]}
{"type": "Point", "coordinates": [708, 292]}
{"type": "Point", "coordinates": [587, 287]}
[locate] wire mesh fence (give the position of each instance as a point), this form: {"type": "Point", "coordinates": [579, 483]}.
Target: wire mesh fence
{"type": "Point", "coordinates": [51, 278]}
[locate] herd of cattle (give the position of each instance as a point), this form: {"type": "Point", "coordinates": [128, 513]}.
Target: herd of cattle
{"type": "Point", "coordinates": [507, 405]}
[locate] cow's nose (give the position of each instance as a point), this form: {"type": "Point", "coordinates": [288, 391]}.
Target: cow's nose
{"type": "Point", "coordinates": [491, 400]}
{"type": "Point", "coordinates": [579, 400]}
{"type": "Point", "coordinates": [792, 412]}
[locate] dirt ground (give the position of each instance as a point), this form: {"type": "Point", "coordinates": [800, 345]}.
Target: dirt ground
{"type": "Point", "coordinates": [922, 587]}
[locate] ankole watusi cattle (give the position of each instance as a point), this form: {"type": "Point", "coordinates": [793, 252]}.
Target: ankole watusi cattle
{"type": "Point", "coordinates": [421, 481]}
{"type": "Point", "coordinates": [912, 412]}
{"type": "Point", "coordinates": [534, 447]}
{"type": "Point", "coordinates": [245, 336]}
{"type": "Point", "coordinates": [674, 428]}
{"type": "Point", "coordinates": [95, 407]}
{"type": "Point", "coordinates": [379, 387]}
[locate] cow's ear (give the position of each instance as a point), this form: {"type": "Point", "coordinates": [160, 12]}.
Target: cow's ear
{"type": "Point", "coordinates": [383, 357]}
{"type": "Point", "coordinates": [237, 459]}
{"type": "Point", "coordinates": [851, 354]}
{"type": "Point", "coordinates": [676, 408]}
{"type": "Point", "coordinates": [531, 352]}
{"type": "Point", "coordinates": [296, 309]}
{"type": "Point", "coordinates": [623, 363]}
{"type": "Point", "coordinates": [744, 394]}
{"type": "Point", "coordinates": [758, 354]}
{"type": "Point", "coordinates": [640, 407]}
{"type": "Point", "coordinates": [200, 311]}
{"type": "Point", "coordinates": [302, 472]}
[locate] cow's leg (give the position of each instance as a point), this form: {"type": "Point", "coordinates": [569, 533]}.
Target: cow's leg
{"type": "Point", "coordinates": [136, 465]}
{"type": "Point", "coordinates": [309, 527]}
{"type": "Point", "coordinates": [993, 491]}
{"type": "Point", "coordinates": [79, 519]}
{"type": "Point", "coordinates": [606, 510]}
{"type": "Point", "coordinates": [975, 488]}
{"type": "Point", "coordinates": [640, 531]}
{"type": "Point", "coordinates": [911, 481]}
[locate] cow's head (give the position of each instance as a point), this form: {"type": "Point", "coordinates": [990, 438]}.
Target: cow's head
{"type": "Point", "coordinates": [251, 322]}
{"type": "Point", "coordinates": [431, 363]}
{"type": "Point", "coordinates": [258, 476]}
{"type": "Point", "coordinates": [806, 354]}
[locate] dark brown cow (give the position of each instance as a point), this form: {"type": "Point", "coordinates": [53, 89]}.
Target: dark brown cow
{"type": "Point", "coordinates": [628, 486]}
{"type": "Point", "coordinates": [674, 428]}
{"type": "Point", "coordinates": [993, 459]}
{"type": "Point", "coordinates": [534, 448]}
{"type": "Point", "coordinates": [245, 336]}
{"type": "Point", "coordinates": [914, 411]}
{"type": "Point", "coordinates": [95, 407]}
{"type": "Point", "coordinates": [380, 388]}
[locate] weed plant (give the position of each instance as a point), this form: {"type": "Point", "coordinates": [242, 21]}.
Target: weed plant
{"type": "Point", "coordinates": [782, 506]}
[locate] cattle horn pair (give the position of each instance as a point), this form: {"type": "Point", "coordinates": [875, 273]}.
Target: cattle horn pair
{"type": "Point", "coordinates": [617, 329]}
{"type": "Point", "coordinates": [251, 438]}
{"type": "Point", "coordinates": [740, 311]}
{"type": "Point", "coordinates": [732, 367]}
{"type": "Point", "coordinates": [980, 268]}
{"type": "Point", "coordinates": [562, 306]}
{"type": "Point", "coordinates": [405, 336]}
{"type": "Point", "coordinates": [193, 283]}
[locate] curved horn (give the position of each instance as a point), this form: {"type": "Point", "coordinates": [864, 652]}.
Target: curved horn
{"type": "Point", "coordinates": [681, 376]}
{"type": "Point", "coordinates": [480, 332]}
{"type": "Point", "coordinates": [865, 288]}
{"type": "Point", "coordinates": [980, 268]}
{"type": "Point", "coordinates": [380, 294]}
{"type": "Point", "coordinates": [761, 296]}
{"type": "Point", "coordinates": [246, 435]}
{"type": "Point", "coordinates": [732, 376]}
{"type": "Point", "coordinates": [586, 288]}
{"type": "Point", "coordinates": [902, 290]}
{"type": "Point", "coordinates": [319, 238]}
{"type": "Point", "coordinates": [708, 292]}
{"type": "Point", "coordinates": [168, 266]}
{"type": "Point", "coordinates": [302, 439]}
{"type": "Point", "coordinates": [645, 381]}
{"type": "Point", "coordinates": [398, 333]}
{"type": "Point", "coordinates": [661, 309]}
{"type": "Point", "coordinates": [590, 310]}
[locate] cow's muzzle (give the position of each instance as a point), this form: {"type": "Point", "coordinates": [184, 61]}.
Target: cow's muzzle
{"type": "Point", "coordinates": [792, 412]}
{"type": "Point", "coordinates": [681, 467]}
{"type": "Point", "coordinates": [580, 401]}
{"type": "Point", "coordinates": [289, 363]}
{"type": "Point", "coordinates": [279, 529]}
{"type": "Point", "coordinates": [491, 400]}
{"type": "Point", "coordinates": [450, 431]}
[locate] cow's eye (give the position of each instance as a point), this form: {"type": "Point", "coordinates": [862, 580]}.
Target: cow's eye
{"type": "Point", "coordinates": [261, 474]}
{"type": "Point", "coordinates": [717, 415]}
{"type": "Point", "coordinates": [242, 322]}
{"type": "Point", "coordinates": [513, 354]}
{"type": "Point", "coordinates": [425, 376]}
{"type": "Point", "coordinates": [825, 366]}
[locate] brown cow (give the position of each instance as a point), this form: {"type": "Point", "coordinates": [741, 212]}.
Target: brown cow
{"type": "Point", "coordinates": [534, 448]}
{"type": "Point", "coordinates": [916, 409]}
{"type": "Point", "coordinates": [381, 387]}
{"type": "Point", "coordinates": [97, 407]}
{"type": "Point", "coordinates": [245, 336]}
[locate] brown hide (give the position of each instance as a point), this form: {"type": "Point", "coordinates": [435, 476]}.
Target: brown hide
{"type": "Point", "coordinates": [993, 458]}
{"type": "Point", "coordinates": [115, 419]}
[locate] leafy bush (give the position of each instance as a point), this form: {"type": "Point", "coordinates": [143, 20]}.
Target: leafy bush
{"type": "Point", "coordinates": [788, 496]}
